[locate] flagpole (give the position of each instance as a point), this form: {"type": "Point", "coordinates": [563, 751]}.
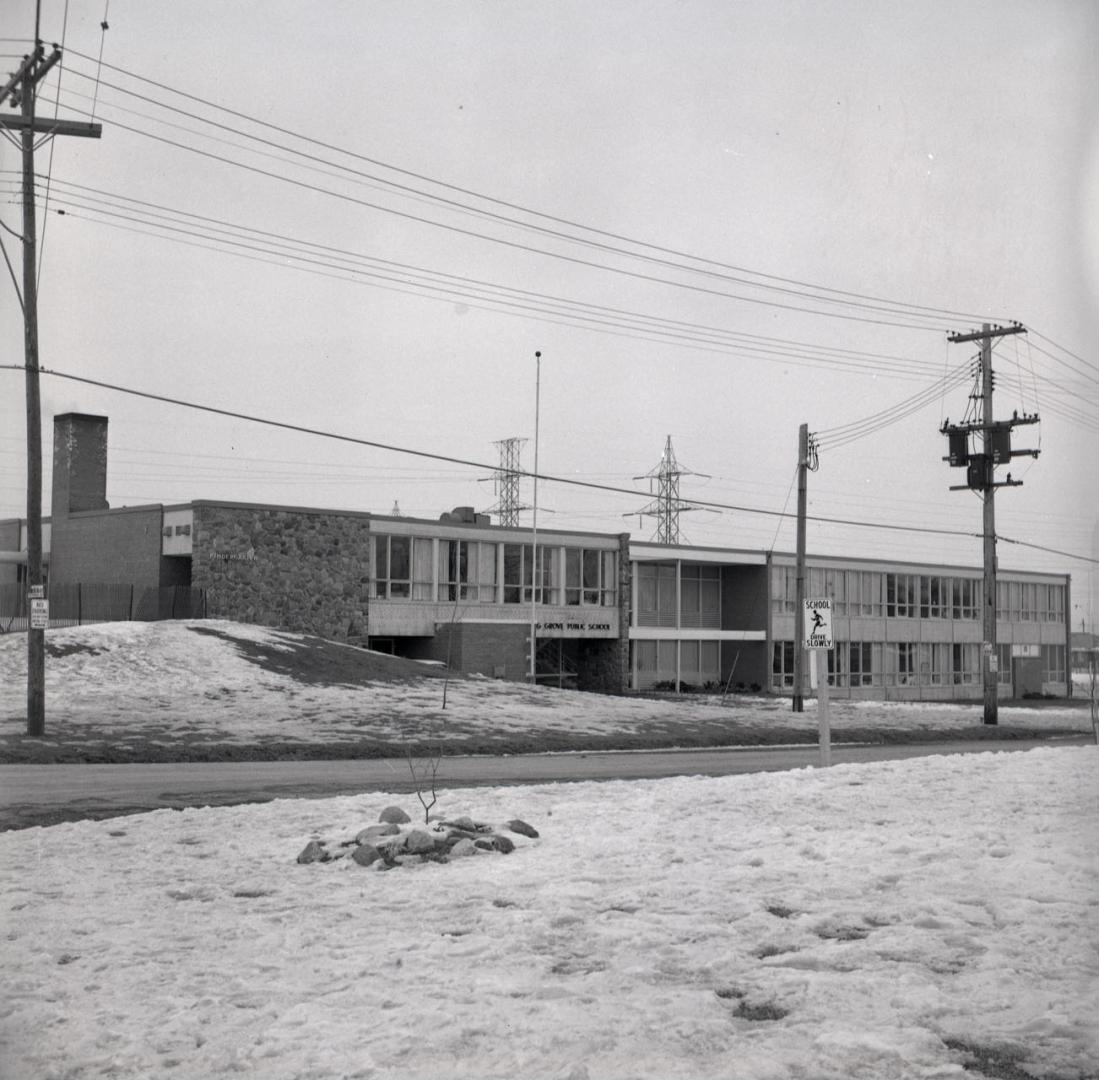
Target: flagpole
{"type": "Point", "coordinates": [534, 527]}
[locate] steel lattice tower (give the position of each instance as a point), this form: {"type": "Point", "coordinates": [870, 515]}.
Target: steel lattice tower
{"type": "Point", "coordinates": [667, 506]}
{"type": "Point", "coordinates": [506, 483]}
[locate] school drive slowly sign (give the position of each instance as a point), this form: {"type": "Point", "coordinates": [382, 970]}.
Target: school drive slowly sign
{"type": "Point", "coordinates": [818, 636]}
{"type": "Point", "coordinates": [818, 624]}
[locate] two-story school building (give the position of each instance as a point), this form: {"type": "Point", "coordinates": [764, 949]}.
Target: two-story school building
{"type": "Point", "coordinates": [607, 612]}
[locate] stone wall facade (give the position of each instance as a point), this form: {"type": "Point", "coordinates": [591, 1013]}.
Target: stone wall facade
{"type": "Point", "coordinates": [600, 666]}
{"type": "Point", "coordinates": [303, 570]}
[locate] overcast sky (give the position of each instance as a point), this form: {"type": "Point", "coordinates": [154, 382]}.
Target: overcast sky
{"type": "Point", "coordinates": [689, 172]}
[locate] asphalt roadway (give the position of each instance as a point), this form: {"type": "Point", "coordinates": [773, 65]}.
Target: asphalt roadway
{"type": "Point", "coordinates": [48, 794]}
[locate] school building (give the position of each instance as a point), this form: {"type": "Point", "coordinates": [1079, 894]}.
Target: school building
{"type": "Point", "coordinates": [608, 612]}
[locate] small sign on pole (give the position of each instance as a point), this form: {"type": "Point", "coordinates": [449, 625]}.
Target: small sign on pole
{"type": "Point", "coordinates": [40, 614]}
{"type": "Point", "coordinates": [818, 637]}
{"type": "Point", "coordinates": [36, 592]}
{"type": "Point", "coordinates": [818, 623]}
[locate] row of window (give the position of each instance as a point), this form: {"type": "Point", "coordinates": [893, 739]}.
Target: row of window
{"type": "Point", "coordinates": [694, 662]}
{"type": "Point", "coordinates": [692, 598]}
{"type": "Point", "coordinates": [486, 572]}
{"type": "Point", "coordinates": [910, 663]}
{"type": "Point", "coordinates": [911, 596]}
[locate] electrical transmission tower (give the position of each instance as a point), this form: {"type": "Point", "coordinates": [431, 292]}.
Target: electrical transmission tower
{"type": "Point", "coordinates": [506, 483]}
{"type": "Point", "coordinates": [667, 506]}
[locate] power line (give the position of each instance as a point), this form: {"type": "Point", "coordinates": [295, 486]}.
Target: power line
{"type": "Point", "coordinates": [833, 438]}
{"type": "Point", "coordinates": [515, 245]}
{"type": "Point", "coordinates": [855, 299]}
{"type": "Point", "coordinates": [699, 332]}
{"type": "Point", "coordinates": [577, 311]}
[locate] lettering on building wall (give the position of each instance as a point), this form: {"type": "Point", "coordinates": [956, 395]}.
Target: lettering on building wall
{"type": "Point", "coordinates": [605, 626]}
{"type": "Point", "coordinates": [248, 556]}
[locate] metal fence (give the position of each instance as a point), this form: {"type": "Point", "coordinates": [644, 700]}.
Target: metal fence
{"type": "Point", "coordinates": [75, 604]}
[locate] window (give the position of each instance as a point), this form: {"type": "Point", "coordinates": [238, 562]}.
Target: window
{"type": "Point", "coordinates": [1009, 601]}
{"type": "Point", "coordinates": [784, 589]}
{"type": "Point", "coordinates": [467, 571]}
{"type": "Point", "coordinates": [966, 664]}
{"type": "Point", "coordinates": [392, 567]}
{"type": "Point", "coordinates": [513, 573]}
{"type": "Point", "coordinates": [870, 588]}
{"type": "Point", "coordinates": [864, 664]}
{"type": "Point", "coordinates": [1056, 610]}
{"type": "Point", "coordinates": [655, 594]}
{"type": "Point", "coordinates": [608, 583]}
{"type": "Point", "coordinates": [655, 662]}
{"type": "Point", "coordinates": [835, 584]}
{"type": "Point", "coordinates": [1004, 665]}
{"type": "Point", "coordinates": [518, 572]}
{"type": "Point", "coordinates": [700, 596]}
{"type": "Point", "coordinates": [423, 582]}
{"type": "Point", "coordinates": [1028, 606]}
{"type": "Point", "coordinates": [854, 594]}
{"type": "Point", "coordinates": [1053, 663]}
{"type": "Point", "coordinates": [1042, 595]}
{"type": "Point", "coordinates": [782, 665]}
{"type": "Point", "coordinates": [966, 598]}
{"type": "Point", "coordinates": [709, 662]}
{"type": "Point", "coordinates": [900, 596]}
{"type": "Point", "coordinates": [591, 578]}
{"type": "Point", "coordinates": [934, 660]}
{"type": "Point", "coordinates": [934, 597]}
{"type": "Point", "coordinates": [902, 664]}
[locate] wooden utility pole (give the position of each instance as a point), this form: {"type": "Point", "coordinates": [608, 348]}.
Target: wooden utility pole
{"type": "Point", "coordinates": [21, 90]}
{"type": "Point", "coordinates": [799, 602]}
{"type": "Point", "coordinates": [995, 450]}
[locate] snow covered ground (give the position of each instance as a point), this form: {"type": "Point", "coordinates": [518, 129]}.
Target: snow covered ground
{"type": "Point", "coordinates": [216, 681]}
{"type": "Point", "coordinates": [887, 921]}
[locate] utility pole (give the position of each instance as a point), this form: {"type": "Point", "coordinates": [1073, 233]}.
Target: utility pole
{"type": "Point", "coordinates": [980, 476]}
{"type": "Point", "coordinates": [21, 89]}
{"type": "Point", "coordinates": [799, 603]}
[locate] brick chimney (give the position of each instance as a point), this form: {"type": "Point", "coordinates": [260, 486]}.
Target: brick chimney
{"type": "Point", "coordinates": [79, 463]}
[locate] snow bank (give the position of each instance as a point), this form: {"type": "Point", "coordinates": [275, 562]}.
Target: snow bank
{"type": "Point", "coordinates": [864, 921]}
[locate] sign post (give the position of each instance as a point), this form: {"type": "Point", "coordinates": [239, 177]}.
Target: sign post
{"type": "Point", "coordinates": [40, 614]}
{"type": "Point", "coordinates": [818, 639]}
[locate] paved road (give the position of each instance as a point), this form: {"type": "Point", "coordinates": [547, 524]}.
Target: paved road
{"type": "Point", "coordinates": [47, 794]}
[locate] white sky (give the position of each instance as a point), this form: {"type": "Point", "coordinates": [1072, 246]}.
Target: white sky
{"type": "Point", "coordinates": [940, 155]}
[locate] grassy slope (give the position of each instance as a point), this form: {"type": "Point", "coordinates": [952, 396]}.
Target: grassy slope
{"type": "Point", "coordinates": [312, 662]}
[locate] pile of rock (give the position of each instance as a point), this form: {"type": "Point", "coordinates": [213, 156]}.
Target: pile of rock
{"type": "Point", "coordinates": [394, 842]}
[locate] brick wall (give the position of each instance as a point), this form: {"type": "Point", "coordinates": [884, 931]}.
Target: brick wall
{"type": "Point", "coordinates": [299, 570]}
{"type": "Point", "coordinates": [109, 547]}
{"type": "Point", "coordinates": [79, 464]}
{"type": "Point", "coordinates": [9, 541]}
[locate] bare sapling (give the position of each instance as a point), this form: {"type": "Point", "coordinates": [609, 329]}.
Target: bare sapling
{"type": "Point", "coordinates": [424, 776]}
